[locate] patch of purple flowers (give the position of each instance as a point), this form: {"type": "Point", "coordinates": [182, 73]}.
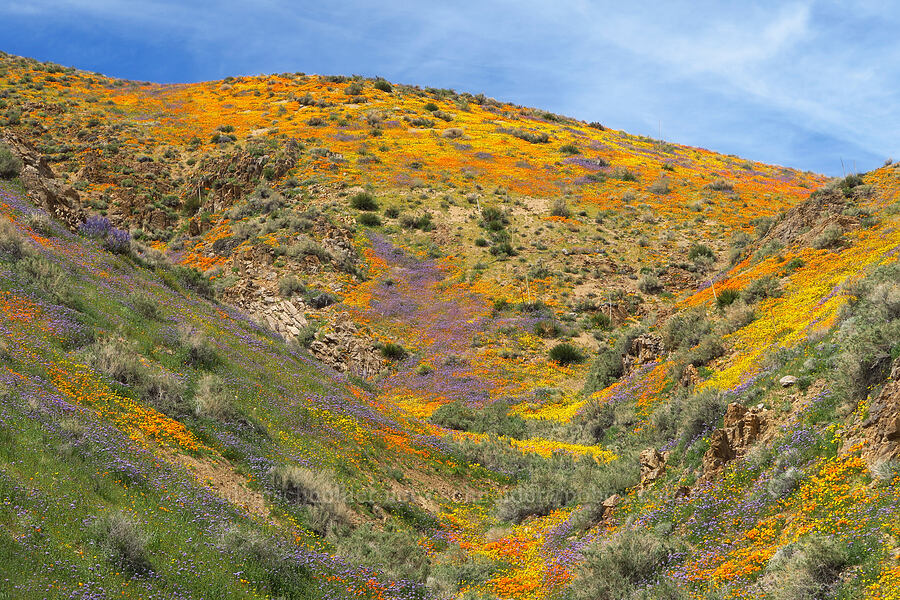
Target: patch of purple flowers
{"type": "Point", "coordinates": [115, 240]}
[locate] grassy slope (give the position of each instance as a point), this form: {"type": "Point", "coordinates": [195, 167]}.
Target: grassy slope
{"type": "Point", "coordinates": [730, 526]}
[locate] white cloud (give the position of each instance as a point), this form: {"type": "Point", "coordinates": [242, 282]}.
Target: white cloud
{"type": "Point", "coordinates": [820, 66]}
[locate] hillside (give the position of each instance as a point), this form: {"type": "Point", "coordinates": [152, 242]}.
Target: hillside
{"type": "Point", "coordinates": [301, 336]}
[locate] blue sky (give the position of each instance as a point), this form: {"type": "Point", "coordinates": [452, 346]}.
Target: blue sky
{"type": "Point", "coordinates": [799, 83]}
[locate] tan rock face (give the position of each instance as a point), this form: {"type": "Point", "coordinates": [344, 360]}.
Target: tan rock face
{"type": "Point", "coordinates": [643, 349]}
{"type": "Point", "coordinates": [882, 425]}
{"type": "Point", "coordinates": [741, 429]}
{"type": "Point", "coordinates": [689, 377]}
{"type": "Point", "coordinates": [43, 187]}
{"type": "Point", "coordinates": [338, 344]}
{"type": "Point", "coordinates": [653, 465]}
{"type": "Point", "coordinates": [346, 351]}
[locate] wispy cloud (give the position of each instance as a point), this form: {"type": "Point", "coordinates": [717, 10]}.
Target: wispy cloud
{"type": "Point", "coordinates": [802, 82]}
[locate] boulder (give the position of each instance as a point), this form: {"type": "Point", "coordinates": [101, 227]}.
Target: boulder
{"type": "Point", "coordinates": [653, 465]}
{"type": "Point", "coordinates": [610, 504]}
{"type": "Point", "coordinates": [741, 428]}
{"type": "Point", "coordinates": [787, 381]}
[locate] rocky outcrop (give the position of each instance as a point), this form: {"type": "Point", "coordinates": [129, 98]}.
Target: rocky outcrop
{"type": "Point", "coordinates": [342, 348]}
{"type": "Point", "coordinates": [689, 376]}
{"type": "Point", "coordinates": [742, 428]}
{"type": "Point", "coordinates": [338, 344]}
{"type": "Point", "coordinates": [881, 428]}
{"type": "Point", "coordinates": [244, 170]}
{"type": "Point", "coordinates": [45, 190]}
{"type": "Point", "coordinates": [653, 465]}
{"type": "Point", "coordinates": [642, 349]}
{"type": "Point", "coordinates": [803, 222]}
{"type": "Point", "coordinates": [609, 505]}
{"type": "Point", "coordinates": [283, 316]}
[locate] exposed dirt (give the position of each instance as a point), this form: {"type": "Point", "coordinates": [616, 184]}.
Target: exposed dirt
{"type": "Point", "coordinates": [222, 479]}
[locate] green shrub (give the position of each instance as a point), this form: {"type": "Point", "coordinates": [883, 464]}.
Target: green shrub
{"type": "Point", "coordinates": [831, 237]}
{"type": "Point", "coordinates": [10, 165]}
{"type": "Point", "coordinates": [392, 212]}
{"type": "Point", "coordinates": [369, 220]}
{"type": "Point", "coordinates": [721, 185]}
{"type": "Point", "coordinates": [191, 279]}
{"type": "Point", "coordinates": [868, 335]}
{"type": "Point", "coordinates": [599, 482]}
{"type": "Point", "coordinates": [384, 86]}
{"type": "Point", "coordinates": [493, 219]}
{"type": "Point", "coordinates": [600, 320]}
{"type": "Point", "coordinates": [492, 418]}
{"type": "Point", "coordinates": [290, 285]}
{"type": "Point", "coordinates": [614, 568]}
{"type": "Point", "coordinates": [12, 245]}
{"type": "Point", "coordinates": [392, 351]}
{"type": "Point", "coordinates": [650, 284]}
{"type": "Point", "coordinates": [354, 89]}
{"type": "Point", "coordinates": [213, 400]}
{"type": "Point", "coordinates": [605, 369]}
{"type": "Point", "coordinates": [464, 572]}
{"type": "Point", "coordinates": [709, 348]}
{"type": "Point", "coordinates": [699, 413]}
{"type": "Point", "coordinates": [309, 247]}
{"type": "Point", "coordinates": [759, 289]}
{"type": "Point", "coordinates": [848, 183]}
{"type": "Point", "coordinates": [793, 264]}
{"type": "Point", "coordinates": [157, 387]}
{"type": "Point", "coordinates": [495, 454]}
{"type": "Point", "coordinates": [784, 480]}
{"type": "Point", "coordinates": [545, 491]}
{"type": "Point", "coordinates": [197, 348]}
{"type": "Point", "coordinates": [566, 354]}
{"type": "Point", "coordinates": [569, 149]}
{"type": "Point", "coordinates": [145, 305]}
{"type": "Point", "coordinates": [624, 174]}
{"type": "Point", "coordinates": [391, 550]}
{"type": "Point", "coordinates": [727, 297]}
{"type": "Point", "coordinates": [305, 487]}
{"type": "Point", "coordinates": [808, 569]}
{"type": "Point", "coordinates": [685, 330]}
{"type": "Point", "coordinates": [559, 208]}
{"type": "Point", "coordinates": [661, 186]}
{"type": "Point", "coordinates": [363, 201]}
{"type": "Point", "coordinates": [421, 122]}
{"type": "Point", "coordinates": [591, 423]}
{"type": "Point", "coordinates": [453, 415]}
{"type": "Point", "coordinates": [737, 315]}
{"type": "Point", "coordinates": [548, 329]}
{"type": "Point", "coordinates": [123, 542]}
{"type": "Point", "coordinates": [762, 225]}
{"type": "Point", "coordinates": [269, 567]}
{"type": "Point", "coordinates": [701, 251]}
{"type": "Point", "coordinates": [51, 279]}
{"type": "Point", "coordinates": [422, 222]}
{"type": "Point", "coordinates": [534, 137]}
